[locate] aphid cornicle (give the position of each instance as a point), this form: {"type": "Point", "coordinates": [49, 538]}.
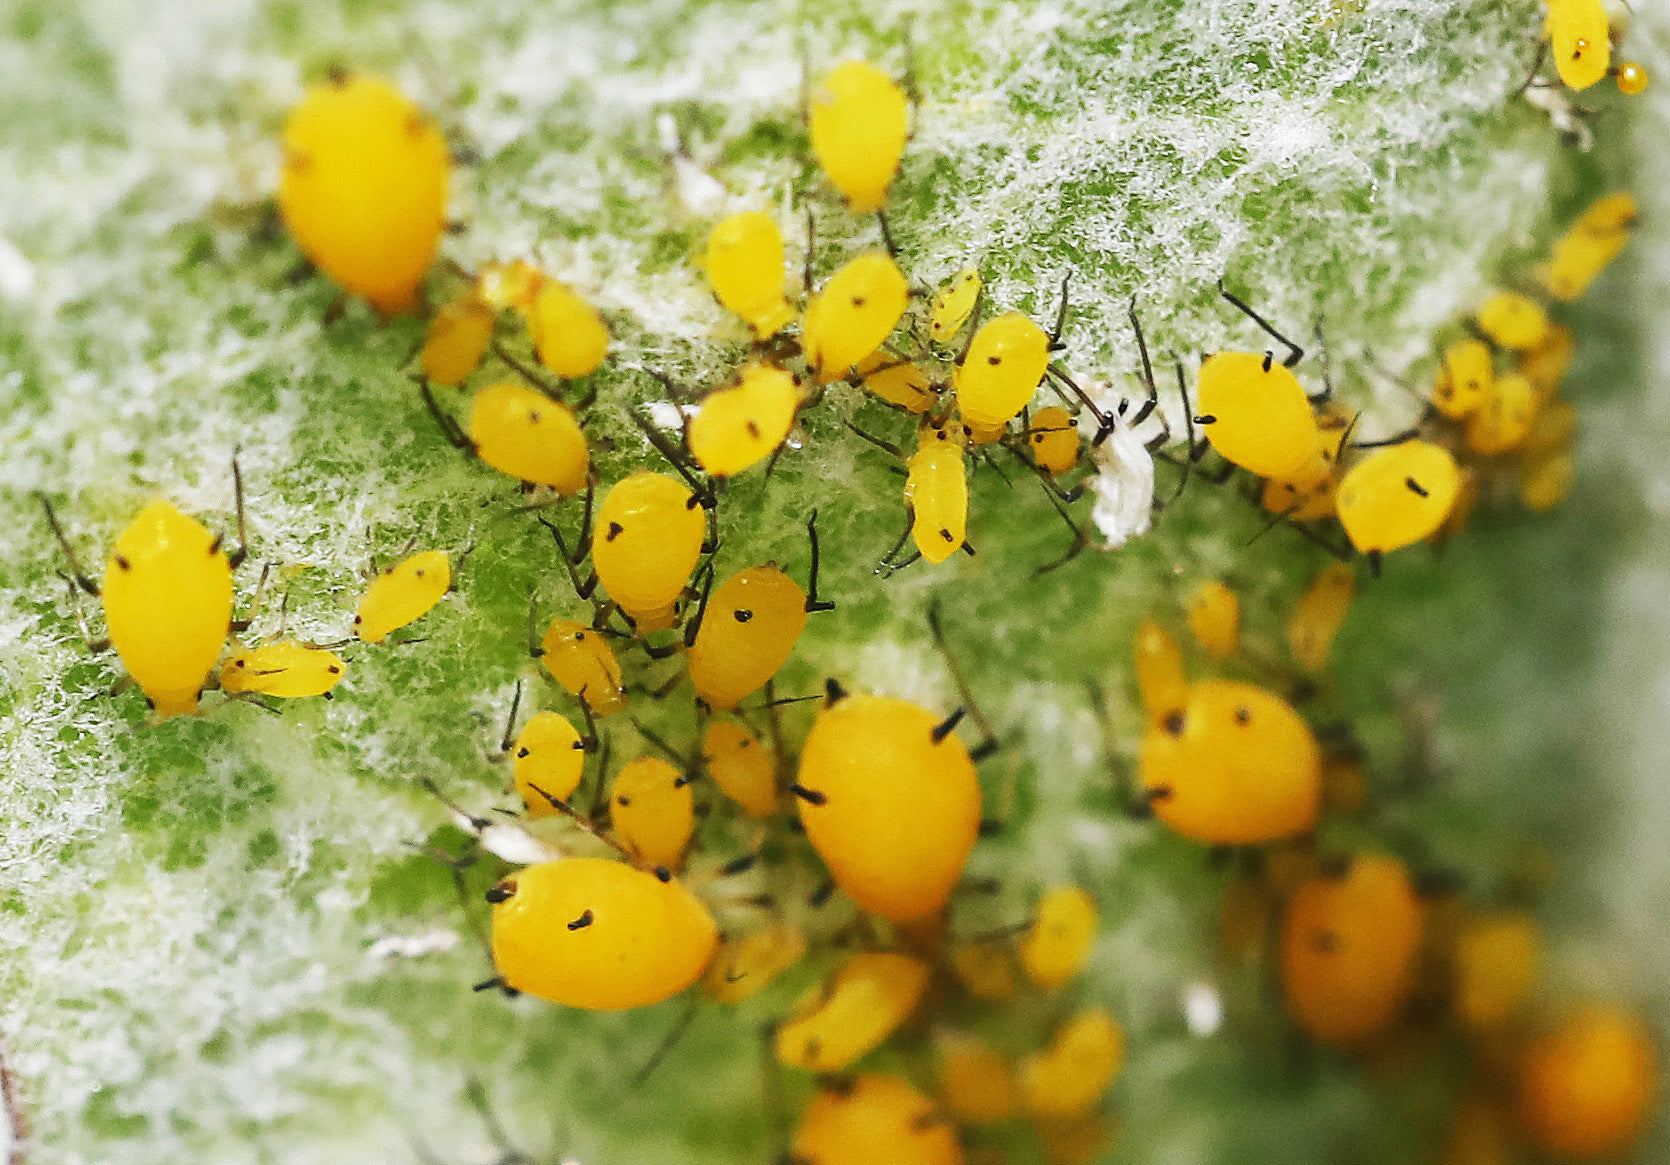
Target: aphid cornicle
{"type": "Point", "coordinates": [890, 801]}
{"type": "Point", "coordinates": [402, 594]}
{"type": "Point", "coordinates": [580, 659]}
{"type": "Point", "coordinates": [744, 267]}
{"type": "Point", "coordinates": [750, 624]}
{"type": "Point", "coordinates": [1588, 1083]}
{"type": "Point", "coordinates": [167, 597]}
{"type": "Point", "coordinates": [874, 1118]}
{"type": "Point", "coordinates": [742, 424]}
{"type": "Point", "coordinates": [364, 186]}
{"type": "Point", "coordinates": [852, 315]}
{"type": "Point", "coordinates": [646, 539]}
{"type": "Point", "coordinates": [569, 336]}
{"type": "Point", "coordinates": [1348, 949]}
{"type": "Point", "coordinates": [859, 118]}
{"type": "Point", "coordinates": [548, 760]}
{"type": "Point", "coordinates": [1235, 765]}
{"type": "Point", "coordinates": [741, 766]}
{"type": "Point", "coordinates": [1398, 496]}
{"type": "Point", "coordinates": [653, 811]}
{"type": "Point", "coordinates": [1003, 367]}
{"type": "Point", "coordinates": [285, 670]}
{"type": "Point", "coordinates": [861, 1004]}
{"type": "Point", "coordinates": [599, 934]}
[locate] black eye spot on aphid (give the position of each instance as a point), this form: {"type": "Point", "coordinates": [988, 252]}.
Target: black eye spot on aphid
{"type": "Point", "coordinates": [1416, 488]}
{"type": "Point", "coordinates": [742, 616]}
{"type": "Point", "coordinates": [1173, 723]}
{"type": "Point", "coordinates": [858, 301]}
{"type": "Point", "coordinates": [358, 619]}
{"type": "Point", "coordinates": [533, 416]}
{"type": "Point", "coordinates": [122, 563]}
{"type": "Point", "coordinates": [615, 531]}
{"type": "Point", "coordinates": [1324, 942]}
{"type": "Point", "coordinates": [994, 361]}
{"type": "Point", "coordinates": [623, 800]}
{"type": "Point", "coordinates": [503, 892]}
{"type": "Point", "coordinates": [418, 573]}
{"type": "Point", "coordinates": [1243, 716]}
{"type": "Point", "coordinates": [753, 428]}
{"type": "Point", "coordinates": [333, 670]}
{"type": "Point", "coordinates": [520, 753]}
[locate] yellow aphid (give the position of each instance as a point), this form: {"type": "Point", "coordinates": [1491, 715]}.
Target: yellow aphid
{"type": "Point", "coordinates": [1215, 619]}
{"type": "Point", "coordinates": [1551, 431]}
{"type": "Point", "coordinates": [1309, 497]}
{"type": "Point", "coordinates": [1546, 483]}
{"type": "Point", "coordinates": [548, 758]}
{"type": "Point", "coordinates": [364, 187]}
{"type": "Point", "coordinates": [1496, 957]}
{"type": "Point", "coordinates": [1067, 1078]}
{"type": "Point", "coordinates": [859, 118]}
{"type": "Point", "coordinates": [286, 670]}
{"type": "Point", "coordinates": [874, 1119]}
{"type": "Point", "coordinates": [1589, 246]}
{"type": "Point", "coordinates": [750, 624]}
{"type": "Point", "coordinates": [1398, 496]}
{"type": "Point", "coordinates": [168, 605]}
{"type": "Point", "coordinates": [1234, 765]}
{"type": "Point", "coordinates": [1588, 1085]}
{"type": "Point", "coordinates": [953, 304]}
{"type": "Point", "coordinates": [1506, 418]}
{"type": "Point", "coordinates": [1512, 320]}
{"type": "Point", "coordinates": [862, 1004]}
{"type": "Point", "coordinates": [568, 334]}
{"type": "Point", "coordinates": [853, 313]}
{"type": "Point", "coordinates": [741, 766]}
{"type": "Point", "coordinates": [1464, 379]}
{"type": "Point", "coordinates": [581, 660]}
{"type": "Point", "coordinates": [457, 339]}
{"type": "Point", "coordinates": [1632, 78]}
{"type": "Point", "coordinates": [1053, 440]}
{"type": "Point", "coordinates": [1159, 670]}
{"type": "Point", "coordinates": [976, 1083]}
{"type": "Point", "coordinates": [1319, 614]}
{"type": "Point", "coordinates": [891, 802]}
{"type": "Point", "coordinates": [521, 432]}
{"type": "Point", "coordinates": [986, 970]}
{"type": "Point", "coordinates": [502, 286]}
{"type": "Point", "coordinates": [979, 435]}
{"type": "Point", "coordinates": [598, 934]}
{"type": "Point", "coordinates": [739, 426]}
{"type": "Point", "coordinates": [900, 382]}
{"type": "Point", "coordinates": [648, 534]}
{"type": "Point", "coordinates": [1348, 950]}
{"type": "Point", "coordinates": [1257, 415]}
{"type": "Point", "coordinates": [1546, 365]}
{"type": "Point", "coordinates": [653, 810]}
{"type": "Point", "coordinates": [746, 966]}
{"type": "Point", "coordinates": [403, 594]}
{"type": "Point", "coordinates": [1060, 938]}
{"type": "Point", "coordinates": [1582, 37]}
{"type": "Point", "coordinates": [936, 490]}
{"type": "Point", "coordinates": [1001, 370]}
{"type": "Point", "coordinates": [744, 267]}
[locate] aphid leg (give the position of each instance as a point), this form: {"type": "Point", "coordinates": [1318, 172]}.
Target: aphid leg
{"type": "Point", "coordinates": [1124, 788]}
{"type": "Point", "coordinates": [80, 577]}
{"type": "Point", "coordinates": [585, 824]}
{"type": "Point", "coordinates": [676, 1033]}
{"type": "Point", "coordinates": [973, 324]}
{"type": "Point", "coordinates": [674, 456]}
{"type": "Point", "coordinates": [774, 726]}
{"type": "Point", "coordinates": [887, 236]}
{"type": "Point", "coordinates": [813, 603]}
{"type": "Point", "coordinates": [528, 373]}
{"type": "Point", "coordinates": [1081, 540]}
{"type": "Point", "coordinates": [988, 744]}
{"type": "Point", "coordinates": [1327, 392]}
{"type": "Point", "coordinates": [1294, 352]}
{"type": "Point", "coordinates": [477, 1096]}
{"type": "Point", "coordinates": [886, 562]}
{"type": "Point", "coordinates": [237, 557]}
{"type": "Point", "coordinates": [1536, 66]}
{"type": "Point", "coordinates": [240, 625]}
{"type": "Point", "coordinates": [1395, 439]}
{"type": "Point", "coordinates": [448, 424]}
{"type": "Point", "coordinates": [588, 742]}
{"type": "Point", "coordinates": [811, 222]}
{"type": "Point", "coordinates": [659, 743]}
{"type": "Point", "coordinates": [694, 627]}
{"type": "Point", "coordinates": [583, 587]}
{"type": "Point", "coordinates": [93, 645]}
{"type": "Point", "coordinates": [1060, 317]}
{"type": "Point", "coordinates": [1153, 400]}
{"type": "Point", "coordinates": [1104, 421]}
{"type": "Point", "coordinates": [510, 721]}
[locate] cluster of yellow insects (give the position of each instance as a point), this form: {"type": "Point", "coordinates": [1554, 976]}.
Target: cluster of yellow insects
{"type": "Point", "coordinates": [615, 907]}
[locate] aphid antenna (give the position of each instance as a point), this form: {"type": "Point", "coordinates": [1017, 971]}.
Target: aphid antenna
{"type": "Point", "coordinates": [1123, 786]}
{"type": "Point", "coordinates": [887, 236]}
{"type": "Point", "coordinates": [241, 625]}
{"type": "Point", "coordinates": [879, 443]}
{"type": "Point", "coordinates": [988, 744]}
{"type": "Point", "coordinates": [886, 562]}
{"type": "Point", "coordinates": [95, 646]}
{"type": "Point", "coordinates": [1536, 67]}
{"type": "Point", "coordinates": [527, 372]}
{"type": "Point", "coordinates": [973, 324]}
{"type": "Point", "coordinates": [703, 491]}
{"type": "Point", "coordinates": [1081, 540]}
{"type": "Point", "coordinates": [1399, 438]}
{"type": "Point", "coordinates": [1153, 400]}
{"type": "Point", "coordinates": [1327, 392]}
{"type": "Point", "coordinates": [1294, 352]}
{"type": "Point", "coordinates": [78, 577]}
{"type": "Point", "coordinates": [237, 557]}
{"type": "Point", "coordinates": [586, 826]}
{"type": "Point", "coordinates": [669, 1042]}
{"type": "Point", "coordinates": [1103, 420]}
{"type": "Point", "coordinates": [1060, 316]}
{"type": "Point", "coordinates": [811, 219]}
{"type": "Point", "coordinates": [659, 743]}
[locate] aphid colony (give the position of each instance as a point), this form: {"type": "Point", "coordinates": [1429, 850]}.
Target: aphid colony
{"type": "Point", "coordinates": [622, 903]}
